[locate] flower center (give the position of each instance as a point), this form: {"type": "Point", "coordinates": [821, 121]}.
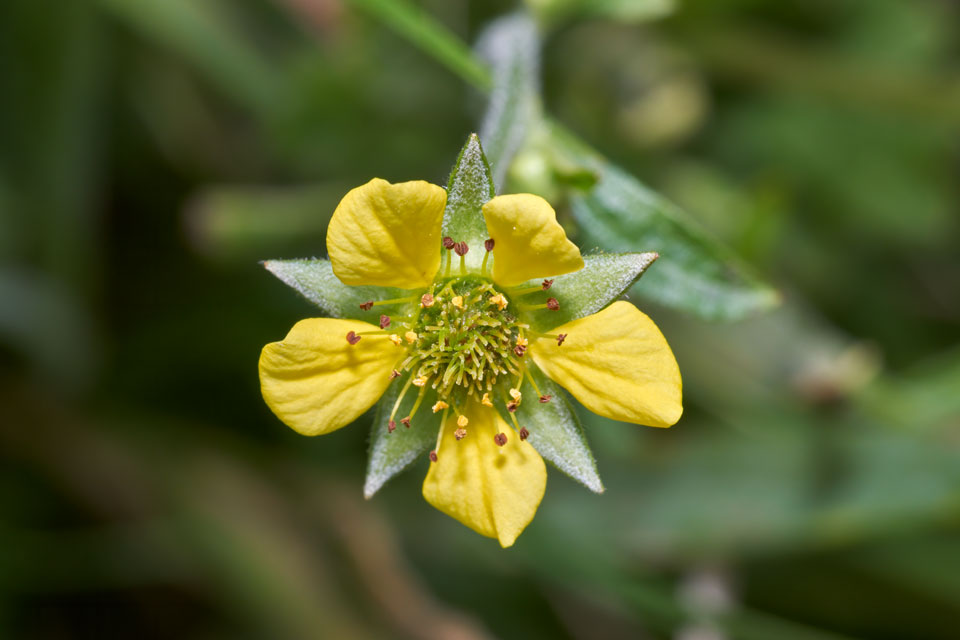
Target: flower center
{"type": "Point", "coordinates": [467, 339]}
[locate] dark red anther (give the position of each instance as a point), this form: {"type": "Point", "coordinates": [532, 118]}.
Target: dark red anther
{"type": "Point", "coordinates": [500, 439]}
{"type": "Point", "coordinates": [394, 374]}
{"type": "Point", "coordinates": [519, 350]}
{"type": "Point", "coordinates": [384, 322]}
{"type": "Point", "coordinates": [488, 244]}
{"type": "Point", "coordinates": [545, 399]}
{"type": "Point", "coordinates": [524, 434]}
{"type": "Point", "coordinates": [560, 338]}
{"type": "Point", "coordinates": [460, 433]}
{"type": "Point", "coordinates": [461, 249]}
{"type": "Point", "coordinates": [552, 304]}
{"type": "Point", "coordinates": [391, 426]}
{"type": "Point", "coordinates": [352, 337]}
{"type": "Point", "coordinates": [448, 243]}
{"type": "Point", "coordinates": [405, 422]}
{"type": "Point", "coordinates": [366, 306]}
{"type": "Point", "coordinates": [547, 284]}
{"type": "Point", "coordinates": [512, 406]}
{"type": "Point", "coordinates": [433, 456]}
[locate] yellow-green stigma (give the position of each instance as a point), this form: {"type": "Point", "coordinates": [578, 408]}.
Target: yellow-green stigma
{"type": "Point", "coordinates": [467, 338]}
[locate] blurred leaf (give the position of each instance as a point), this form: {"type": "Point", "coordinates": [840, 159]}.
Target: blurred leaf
{"type": "Point", "coordinates": [694, 273]}
{"type": "Point", "coordinates": [469, 188]}
{"type": "Point", "coordinates": [925, 397]}
{"type": "Point", "coordinates": [556, 434]}
{"type": "Point", "coordinates": [512, 48]}
{"type": "Point", "coordinates": [314, 280]}
{"type": "Point", "coordinates": [604, 278]}
{"type": "Point", "coordinates": [242, 223]}
{"type": "Point", "coordinates": [620, 10]}
{"type": "Point", "coordinates": [201, 31]}
{"type": "Point", "coordinates": [391, 453]}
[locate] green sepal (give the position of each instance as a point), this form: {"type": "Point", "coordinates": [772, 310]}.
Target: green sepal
{"type": "Point", "coordinates": [469, 188]}
{"type": "Point", "coordinates": [696, 273]}
{"type": "Point", "coordinates": [391, 453]}
{"type": "Point", "coordinates": [556, 433]}
{"type": "Point", "coordinates": [314, 280]}
{"type": "Point", "coordinates": [604, 278]}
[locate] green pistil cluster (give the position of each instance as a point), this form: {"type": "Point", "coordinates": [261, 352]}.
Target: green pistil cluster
{"type": "Point", "coordinates": [467, 339]}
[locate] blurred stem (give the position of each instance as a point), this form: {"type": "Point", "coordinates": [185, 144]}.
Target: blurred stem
{"type": "Point", "coordinates": [422, 30]}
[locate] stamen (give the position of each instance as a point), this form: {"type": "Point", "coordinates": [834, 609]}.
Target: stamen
{"type": "Point", "coordinates": [485, 400]}
{"type": "Point", "coordinates": [410, 336]}
{"type": "Point", "coordinates": [394, 374]}
{"type": "Point", "coordinates": [462, 420]}
{"type": "Point", "coordinates": [405, 422]}
{"type": "Point", "coordinates": [545, 399]}
{"type": "Point", "coordinates": [512, 406]}
{"type": "Point", "coordinates": [524, 434]}
{"type": "Point", "coordinates": [519, 350]}
{"type": "Point", "coordinates": [516, 395]}
{"type": "Point", "coordinates": [461, 248]}
{"type": "Point", "coordinates": [440, 405]}
{"type": "Point", "coordinates": [403, 392]}
{"type": "Point", "coordinates": [392, 301]}
{"type": "Point", "coordinates": [366, 306]}
{"type": "Point", "coordinates": [443, 425]}
{"type": "Point", "coordinates": [536, 389]}
{"type": "Point", "coordinates": [547, 284]}
{"type": "Point", "coordinates": [420, 380]}
{"type": "Point", "coordinates": [457, 301]}
{"type": "Point", "coordinates": [426, 300]}
{"type": "Point", "coordinates": [460, 433]}
{"type": "Point", "coordinates": [416, 405]}
{"type": "Point", "coordinates": [560, 338]}
{"type": "Point", "coordinates": [391, 425]}
{"type": "Point", "coordinates": [448, 243]}
{"type": "Point", "coordinates": [552, 304]}
{"type": "Point", "coordinates": [526, 290]}
{"type": "Point", "coordinates": [352, 337]}
{"type": "Point", "coordinates": [395, 339]}
{"type": "Point", "coordinates": [384, 321]}
{"type": "Point", "coordinates": [488, 245]}
{"type": "Point", "coordinates": [499, 300]}
{"type": "Point", "coordinates": [500, 439]}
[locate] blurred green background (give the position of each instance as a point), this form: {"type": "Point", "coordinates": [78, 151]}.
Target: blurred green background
{"type": "Point", "coordinates": [152, 151]}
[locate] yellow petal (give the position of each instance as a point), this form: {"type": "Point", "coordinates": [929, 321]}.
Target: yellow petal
{"type": "Point", "coordinates": [316, 382]}
{"type": "Point", "coordinates": [493, 490]}
{"type": "Point", "coordinates": [528, 240]}
{"type": "Point", "coordinates": [387, 234]}
{"type": "Point", "coordinates": [617, 364]}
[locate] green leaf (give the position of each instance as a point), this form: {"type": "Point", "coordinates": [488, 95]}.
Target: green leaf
{"type": "Point", "coordinates": [604, 278]}
{"type": "Point", "coordinates": [391, 453]}
{"type": "Point", "coordinates": [555, 433]}
{"type": "Point", "coordinates": [469, 188]}
{"type": "Point", "coordinates": [511, 45]}
{"type": "Point", "coordinates": [695, 273]}
{"type": "Point", "coordinates": [315, 281]}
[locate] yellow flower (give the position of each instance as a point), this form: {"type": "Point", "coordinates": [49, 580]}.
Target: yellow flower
{"type": "Point", "coordinates": [472, 354]}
